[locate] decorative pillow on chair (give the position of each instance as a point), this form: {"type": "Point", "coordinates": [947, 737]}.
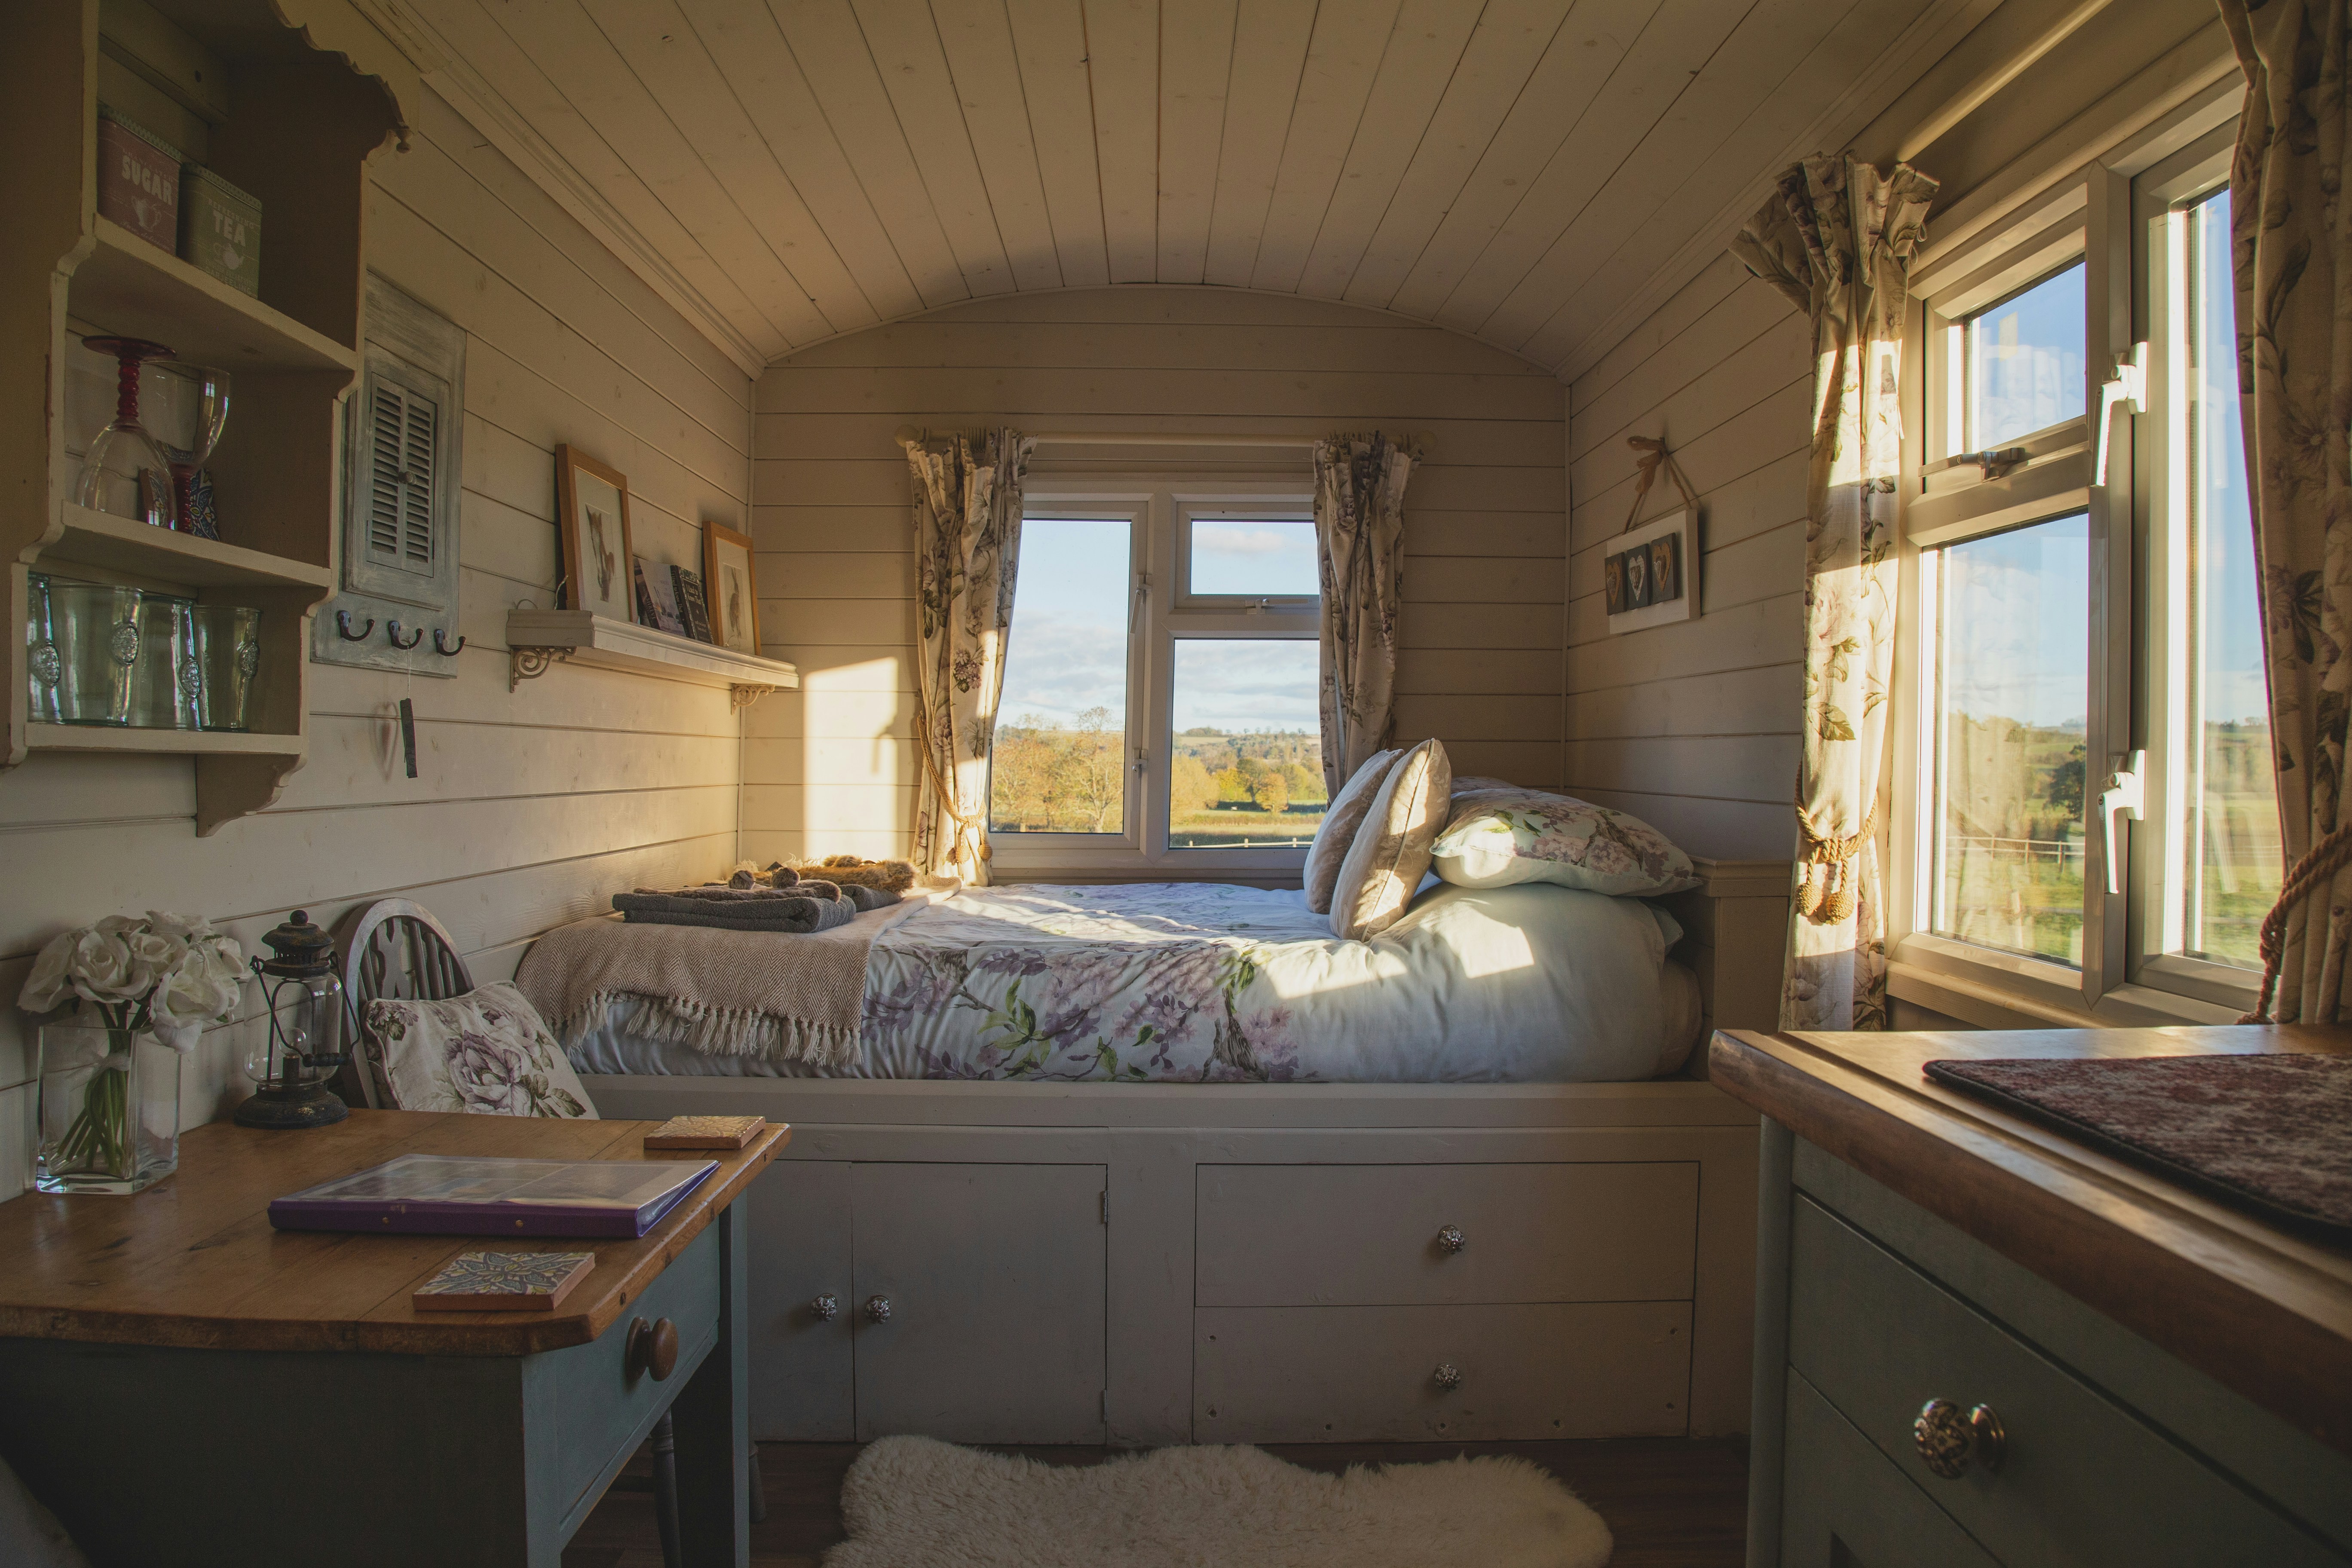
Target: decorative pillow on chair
{"type": "Point", "coordinates": [1501, 835]}
{"type": "Point", "coordinates": [1341, 820]}
{"type": "Point", "coordinates": [1391, 855]}
{"type": "Point", "coordinates": [486, 1052]}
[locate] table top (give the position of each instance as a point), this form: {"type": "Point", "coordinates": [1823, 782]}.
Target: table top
{"type": "Point", "coordinates": [194, 1261]}
{"type": "Point", "coordinates": [2262, 1312]}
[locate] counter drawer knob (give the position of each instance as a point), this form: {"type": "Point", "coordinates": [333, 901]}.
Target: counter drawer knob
{"type": "Point", "coordinates": [1951, 1439]}
{"type": "Point", "coordinates": [1450, 1239]}
{"type": "Point", "coordinates": [652, 1347]}
{"type": "Point", "coordinates": [1447, 1375]}
{"type": "Point", "coordinates": [827, 1308]}
{"type": "Point", "coordinates": [877, 1308]}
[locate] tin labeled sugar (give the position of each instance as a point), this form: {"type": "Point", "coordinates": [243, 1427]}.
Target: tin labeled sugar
{"type": "Point", "coordinates": [137, 179]}
{"type": "Point", "coordinates": [220, 228]}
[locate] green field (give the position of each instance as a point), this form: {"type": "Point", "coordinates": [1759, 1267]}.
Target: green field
{"type": "Point", "coordinates": [1225, 787]}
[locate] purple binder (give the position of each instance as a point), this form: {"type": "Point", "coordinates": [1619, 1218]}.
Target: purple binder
{"type": "Point", "coordinates": [442, 1195]}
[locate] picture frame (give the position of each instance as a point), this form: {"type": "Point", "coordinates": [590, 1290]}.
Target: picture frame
{"type": "Point", "coordinates": [730, 580]}
{"type": "Point", "coordinates": [592, 522]}
{"type": "Point", "coordinates": [1658, 563]}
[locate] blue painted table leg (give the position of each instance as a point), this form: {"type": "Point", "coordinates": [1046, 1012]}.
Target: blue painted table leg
{"type": "Point", "coordinates": [713, 1421]}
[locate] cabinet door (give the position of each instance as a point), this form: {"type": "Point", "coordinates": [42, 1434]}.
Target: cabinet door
{"type": "Point", "coordinates": [799, 1221]}
{"type": "Point", "coordinates": [1844, 1505]}
{"type": "Point", "coordinates": [995, 1278]}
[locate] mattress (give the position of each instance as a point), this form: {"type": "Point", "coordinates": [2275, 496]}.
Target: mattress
{"type": "Point", "coordinates": [1197, 982]}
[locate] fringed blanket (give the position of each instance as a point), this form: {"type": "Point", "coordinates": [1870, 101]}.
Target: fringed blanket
{"type": "Point", "coordinates": [781, 998]}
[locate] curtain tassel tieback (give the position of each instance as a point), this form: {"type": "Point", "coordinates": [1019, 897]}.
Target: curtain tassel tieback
{"type": "Point", "coordinates": [2325, 858]}
{"type": "Point", "coordinates": [1827, 895]}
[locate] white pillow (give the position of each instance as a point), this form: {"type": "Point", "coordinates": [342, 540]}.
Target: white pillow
{"type": "Point", "coordinates": [487, 1052]}
{"type": "Point", "coordinates": [1341, 819]}
{"type": "Point", "coordinates": [1501, 835]}
{"type": "Point", "coordinates": [1386, 863]}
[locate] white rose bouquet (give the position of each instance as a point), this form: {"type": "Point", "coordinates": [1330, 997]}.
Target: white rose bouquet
{"type": "Point", "coordinates": [171, 975]}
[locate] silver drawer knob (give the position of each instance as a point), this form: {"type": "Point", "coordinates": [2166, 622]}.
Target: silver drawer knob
{"type": "Point", "coordinates": [1450, 1239]}
{"type": "Point", "coordinates": [877, 1308]}
{"type": "Point", "coordinates": [827, 1308]}
{"type": "Point", "coordinates": [1951, 1439]}
{"type": "Point", "coordinates": [1447, 1375]}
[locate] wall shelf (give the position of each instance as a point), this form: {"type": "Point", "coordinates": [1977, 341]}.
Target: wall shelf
{"type": "Point", "coordinates": [537, 638]}
{"type": "Point", "coordinates": [95, 539]}
{"type": "Point", "coordinates": [132, 287]}
{"type": "Point", "coordinates": [186, 743]}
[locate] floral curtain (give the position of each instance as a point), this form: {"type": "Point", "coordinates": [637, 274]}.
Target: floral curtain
{"type": "Point", "coordinates": [2289, 232]}
{"type": "Point", "coordinates": [1837, 238]}
{"type": "Point", "coordinates": [967, 549]}
{"type": "Point", "coordinates": [1360, 535]}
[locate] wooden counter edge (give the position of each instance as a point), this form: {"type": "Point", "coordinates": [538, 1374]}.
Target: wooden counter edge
{"type": "Point", "coordinates": [2299, 1369]}
{"type": "Point", "coordinates": [420, 1333]}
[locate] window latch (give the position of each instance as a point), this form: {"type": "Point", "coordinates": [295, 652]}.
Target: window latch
{"type": "Point", "coordinates": [1135, 610]}
{"type": "Point", "coordinates": [2125, 792]}
{"type": "Point", "coordinates": [2127, 388]}
{"type": "Point", "coordinates": [1142, 757]}
{"type": "Point", "coordinates": [1997, 463]}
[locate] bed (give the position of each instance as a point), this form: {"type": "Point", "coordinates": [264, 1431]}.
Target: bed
{"type": "Point", "coordinates": [1209, 983]}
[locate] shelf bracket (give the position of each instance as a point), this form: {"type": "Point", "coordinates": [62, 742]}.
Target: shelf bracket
{"type": "Point", "coordinates": [741, 697]}
{"type": "Point", "coordinates": [530, 663]}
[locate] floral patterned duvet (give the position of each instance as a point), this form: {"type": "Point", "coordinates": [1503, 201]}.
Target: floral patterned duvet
{"type": "Point", "coordinates": [1196, 983]}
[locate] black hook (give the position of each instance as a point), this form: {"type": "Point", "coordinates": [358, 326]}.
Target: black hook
{"type": "Point", "coordinates": [392, 631]}
{"type": "Point", "coordinates": [441, 644]}
{"type": "Point", "coordinates": [343, 627]}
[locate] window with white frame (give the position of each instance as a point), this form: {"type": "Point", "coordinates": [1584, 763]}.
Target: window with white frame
{"type": "Point", "coordinates": [2082, 635]}
{"type": "Point", "coordinates": [1160, 683]}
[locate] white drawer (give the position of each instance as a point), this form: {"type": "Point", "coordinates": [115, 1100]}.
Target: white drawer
{"type": "Point", "coordinates": [1355, 1374]}
{"type": "Point", "coordinates": [1298, 1235]}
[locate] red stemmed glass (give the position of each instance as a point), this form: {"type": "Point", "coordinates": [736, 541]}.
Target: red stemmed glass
{"type": "Point", "coordinates": [115, 472]}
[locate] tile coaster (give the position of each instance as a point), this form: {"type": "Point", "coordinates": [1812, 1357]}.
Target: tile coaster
{"type": "Point", "coordinates": [503, 1282]}
{"type": "Point", "coordinates": [705, 1133]}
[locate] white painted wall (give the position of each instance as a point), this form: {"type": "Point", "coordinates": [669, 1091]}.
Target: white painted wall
{"type": "Point", "coordinates": [530, 808]}
{"type": "Point", "coordinates": [831, 767]}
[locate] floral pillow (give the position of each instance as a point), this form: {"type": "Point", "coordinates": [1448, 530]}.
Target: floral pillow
{"type": "Point", "coordinates": [486, 1052]}
{"type": "Point", "coordinates": [1500, 835]}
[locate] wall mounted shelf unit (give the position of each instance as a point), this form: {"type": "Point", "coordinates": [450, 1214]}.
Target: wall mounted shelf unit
{"type": "Point", "coordinates": [286, 99]}
{"type": "Point", "coordinates": [537, 638]}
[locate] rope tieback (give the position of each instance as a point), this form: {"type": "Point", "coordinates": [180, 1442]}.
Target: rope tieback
{"type": "Point", "coordinates": [2325, 858]}
{"type": "Point", "coordinates": [1827, 895]}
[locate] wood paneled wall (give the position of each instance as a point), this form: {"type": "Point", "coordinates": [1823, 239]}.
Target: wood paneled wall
{"type": "Point", "coordinates": [831, 767]}
{"type": "Point", "coordinates": [530, 808]}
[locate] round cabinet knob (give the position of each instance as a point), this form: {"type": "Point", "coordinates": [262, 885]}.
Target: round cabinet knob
{"type": "Point", "coordinates": [652, 1347]}
{"type": "Point", "coordinates": [827, 1308]}
{"type": "Point", "coordinates": [1447, 1375]}
{"type": "Point", "coordinates": [1951, 1439]}
{"type": "Point", "coordinates": [1450, 1239]}
{"type": "Point", "coordinates": [877, 1308]}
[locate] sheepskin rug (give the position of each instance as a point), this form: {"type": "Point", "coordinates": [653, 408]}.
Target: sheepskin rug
{"type": "Point", "coordinates": [915, 1502]}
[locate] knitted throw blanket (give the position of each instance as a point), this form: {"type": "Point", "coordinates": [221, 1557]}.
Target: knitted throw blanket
{"type": "Point", "coordinates": [764, 992]}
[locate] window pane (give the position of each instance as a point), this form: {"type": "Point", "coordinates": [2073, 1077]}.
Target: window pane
{"type": "Point", "coordinates": [1245, 765]}
{"type": "Point", "coordinates": [2231, 837]}
{"type": "Point", "coordinates": [1265, 559]}
{"type": "Point", "coordinates": [2011, 689]}
{"type": "Point", "coordinates": [1060, 760]}
{"type": "Point", "coordinates": [2025, 362]}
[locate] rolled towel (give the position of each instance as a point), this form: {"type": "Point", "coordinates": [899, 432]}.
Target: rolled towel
{"type": "Point", "coordinates": [786, 915]}
{"type": "Point", "coordinates": [868, 897]}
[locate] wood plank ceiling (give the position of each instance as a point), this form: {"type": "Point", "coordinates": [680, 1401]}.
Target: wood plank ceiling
{"type": "Point", "coordinates": [1539, 173]}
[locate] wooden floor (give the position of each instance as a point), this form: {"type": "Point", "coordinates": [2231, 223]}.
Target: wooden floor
{"type": "Point", "coordinates": [1670, 1503]}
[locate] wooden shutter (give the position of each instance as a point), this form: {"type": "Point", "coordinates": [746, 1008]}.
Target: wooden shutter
{"type": "Point", "coordinates": [401, 427]}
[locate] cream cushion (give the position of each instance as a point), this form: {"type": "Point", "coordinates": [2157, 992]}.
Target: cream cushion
{"type": "Point", "coordinates": [1340, 820]}
{"type": "Point", "coordinates": [486, 1052]}
{"type": "Point", "coordinates": [1502, 835]}
{"type": "Point", "coordinates": [1391, 855]}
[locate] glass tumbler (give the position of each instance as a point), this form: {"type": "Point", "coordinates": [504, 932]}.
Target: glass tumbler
{"type": "Point", "coordinates": [44, 662]}
{"type": "Point", "coordinates": [225, 642]}
{"type": "Point", "coordinates": [96, 631]}
{"type": "Point", "coordinates": [165, 683]}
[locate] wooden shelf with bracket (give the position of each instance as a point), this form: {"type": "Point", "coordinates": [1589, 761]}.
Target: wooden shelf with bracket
{"type": "Point", "coordinates": [538, 638]}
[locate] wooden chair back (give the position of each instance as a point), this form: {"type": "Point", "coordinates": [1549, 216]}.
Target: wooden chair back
{"type": "Point", "coordinates": [394, 949]}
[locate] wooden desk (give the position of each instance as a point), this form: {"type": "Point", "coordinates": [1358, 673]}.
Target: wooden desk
{"type": "Point", "coordinates": [2175, 1375]}
{"type": "Point", "coordinates": [186, 1384]}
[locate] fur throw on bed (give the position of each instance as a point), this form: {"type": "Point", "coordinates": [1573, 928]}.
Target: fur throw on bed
{"type": "Point", "coordinates": [842, 870]}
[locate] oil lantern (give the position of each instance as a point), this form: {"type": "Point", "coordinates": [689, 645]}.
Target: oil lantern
{"type": "Point", "coordinates": [307, 1019]}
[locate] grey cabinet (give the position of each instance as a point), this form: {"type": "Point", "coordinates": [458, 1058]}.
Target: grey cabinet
{"type": "Point", "coordinates": [967, 1301]}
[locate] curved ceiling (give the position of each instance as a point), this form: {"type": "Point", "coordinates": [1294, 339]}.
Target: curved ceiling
{"type": "Point", "coordinates": [1537, 174]}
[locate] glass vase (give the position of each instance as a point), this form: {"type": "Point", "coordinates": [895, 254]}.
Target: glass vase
{"type": "Point", "coordinates": [110, 1109]}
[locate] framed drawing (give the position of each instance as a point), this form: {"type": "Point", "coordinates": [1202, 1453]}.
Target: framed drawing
{"type": "Point", "coordinates": [1650, 574]}
{"type": "Point", "coordinates": [593, 520]}
{"type": "Point", "coordinates": [731, 588]}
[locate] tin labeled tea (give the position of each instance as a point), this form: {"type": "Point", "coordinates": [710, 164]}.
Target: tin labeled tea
{"type": "Point", "coordinates": [220, 228]}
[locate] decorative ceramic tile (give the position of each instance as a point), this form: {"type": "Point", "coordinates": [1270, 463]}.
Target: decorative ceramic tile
{"type": "Point", "coordinates": [503, 1281]}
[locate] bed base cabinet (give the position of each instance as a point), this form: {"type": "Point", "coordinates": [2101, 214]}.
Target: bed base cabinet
{"type": "Point", "coordinates": [803, 1384]}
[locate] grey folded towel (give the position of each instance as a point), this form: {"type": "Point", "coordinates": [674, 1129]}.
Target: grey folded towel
{"type": "Point", "coordinates": [866, 898]}
{"type": "Point", "coordinates": [728, 893]}
{"type": "Point", "coordinates": [790, 916]}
